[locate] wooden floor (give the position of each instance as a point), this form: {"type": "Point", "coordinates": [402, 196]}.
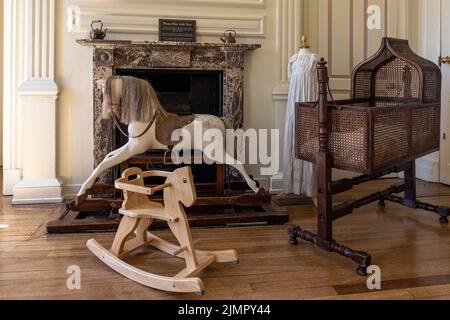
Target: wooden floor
{"type": "Point", "coordinates": [411, 247]}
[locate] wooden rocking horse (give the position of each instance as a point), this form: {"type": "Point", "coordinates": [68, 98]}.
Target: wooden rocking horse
{"type": "Point", "coordinates": [139, 213]}
{"type": "Point", "coordinates": [134, 102]}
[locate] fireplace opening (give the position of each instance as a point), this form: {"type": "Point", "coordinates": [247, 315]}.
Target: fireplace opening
{"type": "Point", "coordinates": [183, 92]}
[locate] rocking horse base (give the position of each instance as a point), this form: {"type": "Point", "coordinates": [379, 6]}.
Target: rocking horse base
{"type": "Point", "coordinates": [101, 215]}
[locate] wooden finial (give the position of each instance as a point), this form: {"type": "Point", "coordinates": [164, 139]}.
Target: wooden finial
{"type": "Point", "coordinates": [305, 44]}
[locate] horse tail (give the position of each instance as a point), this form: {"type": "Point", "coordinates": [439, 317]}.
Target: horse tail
{"type": "Point", "coordinates": [227, 123]}
{"type": "Point", "coordinates": [229, 126]}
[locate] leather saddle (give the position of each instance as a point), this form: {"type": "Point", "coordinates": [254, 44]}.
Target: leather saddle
{"type": "Point", "coordinates": [167, 124]}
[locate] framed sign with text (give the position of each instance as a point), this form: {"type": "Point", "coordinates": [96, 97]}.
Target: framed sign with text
{"type": "Point", "coordinates": [177, 30]}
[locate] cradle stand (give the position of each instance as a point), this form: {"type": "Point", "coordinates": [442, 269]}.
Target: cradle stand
{"type": "Point", "coordinates": [139, 213]}
{"type": "Point", "coordinates": [327, 214]}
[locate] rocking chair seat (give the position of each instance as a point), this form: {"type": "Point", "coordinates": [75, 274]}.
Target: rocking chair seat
{"type": "Point", "coordinates": [147, 210]}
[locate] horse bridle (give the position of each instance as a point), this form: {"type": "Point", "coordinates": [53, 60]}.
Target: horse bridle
{"type": "Point", "coordinates": [117, 125]}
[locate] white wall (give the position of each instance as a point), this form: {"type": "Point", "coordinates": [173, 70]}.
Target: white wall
{"type": "Point", "coordinates": [13, 76]}
{"type": "Point", "coordinates": [276, 24]}
{"type": "Point", "coordinates": [337, 31]}
{"type": "Point", "coordinates": [1, 82]}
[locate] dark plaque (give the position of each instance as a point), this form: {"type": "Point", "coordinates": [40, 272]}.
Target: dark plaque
{"type": "Point", "coordinates": [177, 30]}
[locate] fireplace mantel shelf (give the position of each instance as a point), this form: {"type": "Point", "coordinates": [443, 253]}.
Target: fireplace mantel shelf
{"type": "Point", "coordinates": [111, 44]}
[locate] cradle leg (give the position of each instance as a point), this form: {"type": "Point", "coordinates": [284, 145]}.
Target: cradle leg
{"type": "Point", "coordinates": [363, 259]}
{"type": "Point", "coordinates": [444, 213]}
{"type": "Point", "coordinates": [361, 271]}
{"type": "Point", "coordinates": [382, 203]}
{"type": "Point", "coordinates": [411, 201]}
{"type": "Point", "coordinates": [294, 233]}
{"type": "Point", "coordinates": [325, 216]}
{"type": "Point", "coordinates": [410, 186]}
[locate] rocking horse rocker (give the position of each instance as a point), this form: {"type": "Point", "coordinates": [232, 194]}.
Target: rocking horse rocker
{"type": "Point", "coordinates": [139, 213]}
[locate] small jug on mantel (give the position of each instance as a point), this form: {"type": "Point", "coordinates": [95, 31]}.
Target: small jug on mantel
{"type": "Point", "coordinates": [229, 36]}
{"type": "Point", "coordinates": [98, 34]}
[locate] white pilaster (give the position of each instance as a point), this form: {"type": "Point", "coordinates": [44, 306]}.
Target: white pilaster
{"type": "Point", "coordinates": [39, 93]}
{"type": "Point", "coordinates": [13, 63]}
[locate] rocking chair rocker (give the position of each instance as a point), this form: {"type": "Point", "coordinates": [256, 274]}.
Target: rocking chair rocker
{"type": "Point", "coordinates": [139, 213]}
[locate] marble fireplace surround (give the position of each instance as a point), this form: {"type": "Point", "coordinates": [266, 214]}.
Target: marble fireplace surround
{"type": "Point", "coordinates": [109, 56]}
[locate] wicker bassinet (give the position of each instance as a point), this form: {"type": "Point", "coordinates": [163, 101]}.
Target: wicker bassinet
{"type": "Point", "coordinates": [392, 118]}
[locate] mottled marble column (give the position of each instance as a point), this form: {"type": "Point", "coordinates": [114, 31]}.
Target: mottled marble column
{"type": "Point", "coordinates": [233, 102]}
{"type": "Point", "coordinates": [104, 134]}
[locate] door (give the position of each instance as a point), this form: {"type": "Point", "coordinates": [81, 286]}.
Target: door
{"type": "Point", "coordinates": [445, 67]}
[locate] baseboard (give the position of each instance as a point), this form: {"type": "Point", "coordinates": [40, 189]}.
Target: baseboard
{"type": "Point", "coordinates": [10, 179]}
{"type": "Point", "coordinates": [37, 192]}
{"type": "Point", "coordinates": [276, 183]}
{"type": "Point", "coordinates": [264, 182]}
{"type": "Point", "coordinates": [281, 92]}
{"type": "Point", "coordinates": [31, 201]}
{"type": "Point", "coordinates": [427, 170]}
{"type": "Point", "coordinates": [70, 191]}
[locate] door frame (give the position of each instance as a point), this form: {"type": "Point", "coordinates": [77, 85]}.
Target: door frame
{"type": "Point", "coordinates": [429, 42]}
{"type": "Point", "coordinates": [445, 115]}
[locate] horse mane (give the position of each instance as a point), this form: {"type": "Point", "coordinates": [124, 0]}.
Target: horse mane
{"type": "Point", "coordinates": [138, 101]}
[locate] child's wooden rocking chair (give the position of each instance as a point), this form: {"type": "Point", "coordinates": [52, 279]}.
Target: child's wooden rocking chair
{"type": "Point", "coordinates": [139, 213]}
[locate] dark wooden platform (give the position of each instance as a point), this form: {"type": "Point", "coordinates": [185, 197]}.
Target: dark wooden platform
{"type": "Point", "coordinates": [97, 215]}
{"type": "Point", "coordinates": [199, 216]}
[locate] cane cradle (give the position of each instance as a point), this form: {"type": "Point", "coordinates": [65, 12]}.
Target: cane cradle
{"type": "Point", "coordinates": [392, 118]}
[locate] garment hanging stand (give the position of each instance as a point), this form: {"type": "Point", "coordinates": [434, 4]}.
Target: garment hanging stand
{"type": "Point", "coordinates": [305, 44]}
{"type": "Point", "coordinates": [283, 199]}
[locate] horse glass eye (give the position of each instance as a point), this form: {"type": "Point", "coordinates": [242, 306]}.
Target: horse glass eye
{"type": "Point", "coordinates": [185, 180]}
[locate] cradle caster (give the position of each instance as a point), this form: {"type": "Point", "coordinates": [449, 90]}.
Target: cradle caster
{"type": "Point", "coordinates": [200, 294]}
{"type": "Point", "coordinates": [382, 204]}
{"type": "Point", "coordinates": [361, 271]}
{"type": "Point", "coordinates": [443, 220]}
{"type": "Point", "coordinates": [236, 263]}
{"type": "Point", "coordinates": [294, 233]}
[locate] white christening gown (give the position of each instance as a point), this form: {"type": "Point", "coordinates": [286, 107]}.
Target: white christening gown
{"type": "Point", "coordinates": [299, 176]}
